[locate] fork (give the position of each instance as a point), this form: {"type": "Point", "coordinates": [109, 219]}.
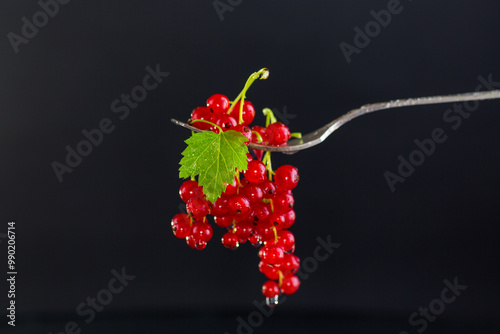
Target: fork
{"type": "Point", "coordinates": [318, 136]}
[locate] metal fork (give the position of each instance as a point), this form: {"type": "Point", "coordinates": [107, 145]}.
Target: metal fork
{"type": "Point", "coordinates": [318, 136]}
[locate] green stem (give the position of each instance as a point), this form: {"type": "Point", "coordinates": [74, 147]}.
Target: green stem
{"type": "Point", "coordinates": [208, 122]}
{"type": "Point", "coordinates": [259, 137]}
{"type": "Point", "coordinates": [270, 118]}
{"type": "Point", "coordinates": [296, 135]}
{"type": "Point", "coordinates": [262, 74]}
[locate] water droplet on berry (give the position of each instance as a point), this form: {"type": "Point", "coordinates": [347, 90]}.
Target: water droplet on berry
{"type": "Point", "coordinates": [272, 302]}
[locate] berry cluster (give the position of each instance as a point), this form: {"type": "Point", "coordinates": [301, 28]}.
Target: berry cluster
{"type": "Point", "coordinates": [257, 207]}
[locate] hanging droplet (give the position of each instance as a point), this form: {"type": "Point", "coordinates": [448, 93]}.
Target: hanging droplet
{"type": "Point", "coordinates": [272, 302]}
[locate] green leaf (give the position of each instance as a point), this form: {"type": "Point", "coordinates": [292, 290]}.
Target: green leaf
{"type": "Point", "coordinates": [213, 158]}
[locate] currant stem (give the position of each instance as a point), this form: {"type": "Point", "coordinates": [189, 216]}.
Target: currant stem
{"type": "Point", "coordinates": [270, 118]}
{"type": "Point", "coordinates": [262, 74]}
{"type": "Point", "coordinates": [259, 137]}
{"type": "Point", "coordinates": [296, 135]}
{"type": "Point", "coordinates": [208, 122]}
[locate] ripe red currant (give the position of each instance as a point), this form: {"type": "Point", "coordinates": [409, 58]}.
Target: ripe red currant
{"type": "Point", "coordinates": [277, 133]}
{"type": "Point", "coordinates": [290, 284]}
{"type": "Point", "coordinates": [270, 289]}
{"type": "Point", "coordinates": [256, 172]}
{"type": "Point", "coordinates": [218, 103]}
{"type": "Point", "coordinates": [202, 113]}
{"type": "Point", "coordinates": [286, 177]}
{"type": "Point", "coordinates": [181, 225]}
{"type": "Point", "coordinates": [248, 112]}
{"type": "Point", "coordinates": [190, 189]}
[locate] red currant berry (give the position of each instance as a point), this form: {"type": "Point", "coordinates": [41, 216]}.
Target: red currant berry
{"type": "Point", "coordinates": [283, 202]}
{"type": "Point", "coordinates": [285, 240]}
{"type": "Point", "coordinates": [248, 112]}
{"type": "Point", "coordinates": [289, 219]}
{"type": "Point", "coordinates": [223, 221]}
{"type": "Point", "coordinates": [270, 271]}
{"type": "Point", "coordinates": [219, 208]}
{"type": "Point", "coordinates": [181, 225]}
{"type": "Point", "coordinates": [232, 188]}
{"type": "Point", "coordinates": [272, 254]}
{"type": "Point", "coordinates": [253, 192]}
{"type": "Point", "coordinates": [270, 289]}
{"type": "Point", "coordinates": [230, 240]}
{"type": "Point", "coordinates": [226, 122]}
{"type": "Point", "coordinates": [277, 133]}
{"type": "Point", "coordinates": [218, 103]}
{"type": "Point", "coordinates": [268, 188]}
{"type": "Point", "coordinates": [290, 284]}
{"type": "Point", "coordinates": [202, 231]}
{"type": "Point", "coordinates": [190, 189]}
{"type": "Point", "coordinates": [195, 244]}
{"type": "Point", "coordinates": [256, 172]}
{"type": "Point", "coordinates": [286, 177]}
{"type": "Point", "coordinates": [245, 130]}
{"type": "Point", "coordinates": [265, 230]}
{"type": "Point", "coordinates": [254, 239]}
{"type": "Point", "coordinates": [261, 211]}
{"type": "Point", "coordinates": [239, 205]}
{"type": "Point", "coordinates": [197, 207]}
{"type": "Point", "coordinates": [290, 264]}
{"type": "Point", "coordinates": [277, 219]}
{"type": "Point", "coordinates": [243, 230]}
{"type": "Point", "coordinates": [202, 113]}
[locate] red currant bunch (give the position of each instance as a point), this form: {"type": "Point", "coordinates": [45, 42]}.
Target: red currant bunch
{"type": "Point", "coordinates": [257, 207]}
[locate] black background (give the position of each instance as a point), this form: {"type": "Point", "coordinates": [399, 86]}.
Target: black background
{"type": "Point", "coordinates": [114, 209]}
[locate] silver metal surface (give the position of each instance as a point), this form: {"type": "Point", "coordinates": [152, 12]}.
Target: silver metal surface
{"type": "Point", "coordinates": [318, 136]}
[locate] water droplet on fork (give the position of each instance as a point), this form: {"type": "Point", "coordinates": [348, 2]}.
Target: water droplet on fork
{"type": "Point", "coordinates": [272, 302]}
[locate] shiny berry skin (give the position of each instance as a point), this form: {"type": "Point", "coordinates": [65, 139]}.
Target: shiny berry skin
{"type": "Point", "coordinates": [202, 231]}
{"type": "Point", "coordinates": [265, 231]}
{"type": "Point", "coordinates": [248, 112]}
{"type": "Point", "coordinates": [239, 205]}
{"type": "Point", "coordinates": [243, 230]}
{"type": "Point", "coordinates": [286, 177]}
{"type": "Point", "coordinates": [254, 239]}
{"type": "Point", "coordinates": [277, 133]}
{"type": "Point", "coordinates": [226, 122]}
{"type": "Point", "coordinates": [232, 188]}
{"type": "Point", "coordinates": [270, 289]}
{"type": "Point", "coordinates": [262, 211]}
{"type": "Point", "coordinates": [245, 130]}
{"type": "Point", "coordinates": [223, 221]}
{"type": "Point", "coordinates": [181, 225]}
{"type": "Point", "coordinates": [202, 113]}
{"type": "Point", "coordinates": [289, 219]}
{"type": "Point", "coordinates": [218, 103]}
{"type": "Point", "coordinates": [190, 189]}
{"type": "Point", "coordinates": [197, 207]}
{"type": "Point", "coordinates": [285, 240]}
{"type": "Point", "coordinates": [253, 192]}
{"type": "Point", "coordinates": [290, 264]}
{"type": "Point", "coordinates": [230, 240]}
{"type": "Point", "coordinates": [283, 202]}
{"type": "Point", "coordinates": [256, 172]}
{"type": "Point", "coordinates": [290, 284]}
{"type": "Point", "coordinates": [219, 208]}
{"type": "Point", "coordinates": [270, 271]}
{"type": "Point", "coordinates": [268, 188]}
{"type": "Point", "coordinates": [195, 244]}
{"type": "Point", "coordinates": [277, 219]}
{"type": "Point", "coordinates": [272, 254]}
